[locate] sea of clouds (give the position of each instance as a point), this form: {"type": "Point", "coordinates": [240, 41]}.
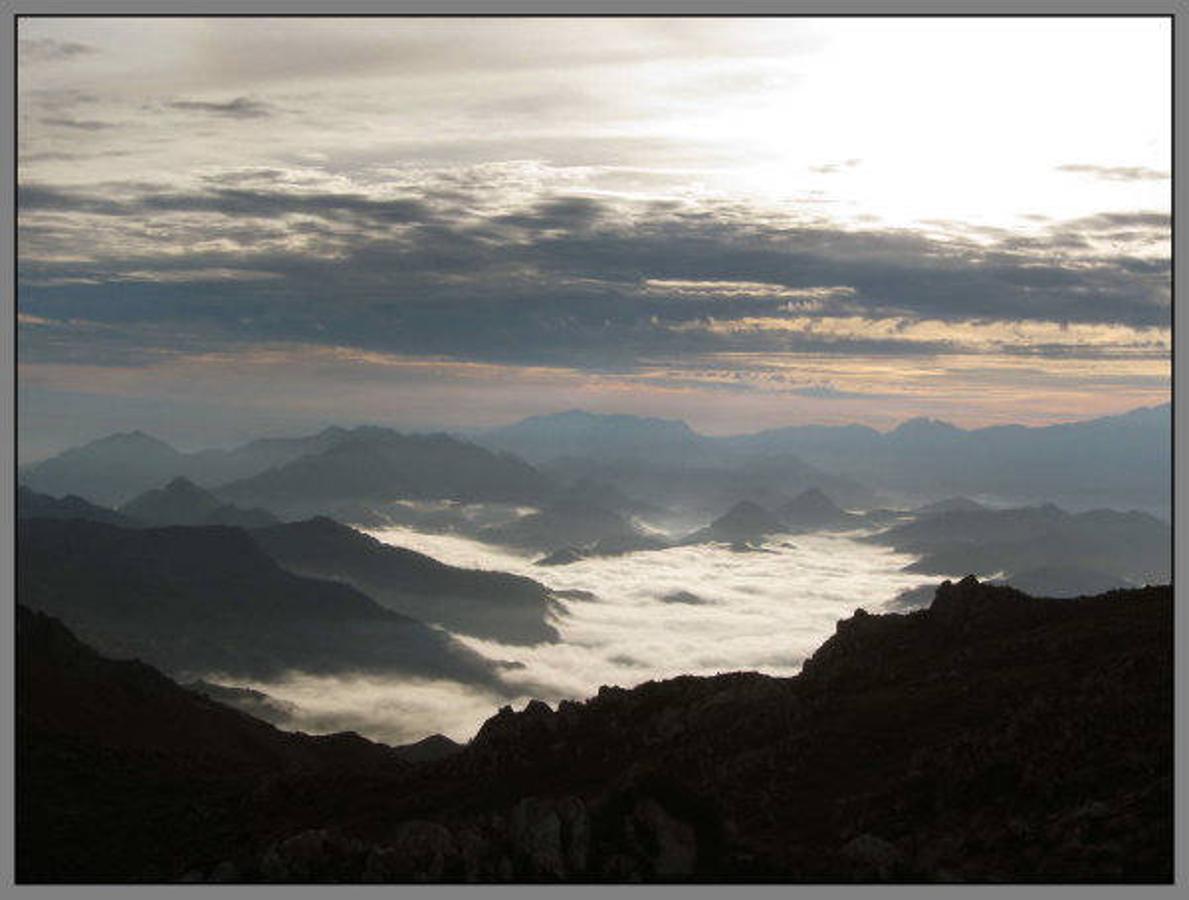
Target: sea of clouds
{"type": "Point", "coordinates": [651, 615]}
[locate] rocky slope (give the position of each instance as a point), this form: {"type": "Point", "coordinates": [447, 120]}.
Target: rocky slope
{"type": "Point", "coordinates": [991, 737]}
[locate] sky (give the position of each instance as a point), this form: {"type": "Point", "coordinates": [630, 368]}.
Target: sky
{"type": "Point", "coordinates": [236, 227]}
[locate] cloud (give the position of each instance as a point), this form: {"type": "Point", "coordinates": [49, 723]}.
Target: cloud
{"type": "Point", "coordinates": [230, 202]}
{"type": "Point", "coordinates": [1115, 173]}
{"type": "Point", "coordinates": [78, 124]}
{"type": "Point", "coordinates": [239, 108]}
{"type": "Point", "coordinates": [829, 392]}
{"type": "Point", "coordinates": [49, 50]}
{"type": "Point", "coordinates": [835, 167]}
{"type": "Point", "coordinates": [628, 634]}
{"type": "Point", "coordinates": [506, 264]}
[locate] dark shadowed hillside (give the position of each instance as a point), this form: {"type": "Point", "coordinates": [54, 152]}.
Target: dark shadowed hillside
{"type": "Point", "coordinates": [991, 737]}
{"type": "Point", "coordinates": [121, 773]}
{"type": "Point", "coordinates": [182, 502]}
{"type": "Point", "coordinates": [32, 505]}
{"type": "Point", "coordinates": [496, 605]}
{"type": "Point", "coordinates": [195, 600]}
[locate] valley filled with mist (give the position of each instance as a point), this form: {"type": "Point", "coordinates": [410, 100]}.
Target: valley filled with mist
{"type": "Point", "coordinates": [627, 550]}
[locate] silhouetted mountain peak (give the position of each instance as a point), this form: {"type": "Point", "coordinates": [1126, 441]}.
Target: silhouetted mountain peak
{"type": "Point", "coordinates": [812, 500]}
{"type": "Point", "coordinates": [743, 522]}
{"type": "Point", "coordinates": [183, 485]}
{"type": "Point", "coordinates": [745, 511]}
{"type": "Point", "coordinates": [179, 502]}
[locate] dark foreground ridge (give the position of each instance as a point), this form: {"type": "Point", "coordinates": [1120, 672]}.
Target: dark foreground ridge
{"type": "Point", "coordinates": [991, 737]}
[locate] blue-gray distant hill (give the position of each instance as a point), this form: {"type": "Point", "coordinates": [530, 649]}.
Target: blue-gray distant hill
{"type": "Point", "coordinates": [377, 466]}
{"type": "Point", "coordinates": [610, 438]}
{"type": "Point", "coordinates": [114, 469]}
{"type": "Point", "coordinates": [1039, 546]}
{"type": "Point", "coordinates": [1122, 461]}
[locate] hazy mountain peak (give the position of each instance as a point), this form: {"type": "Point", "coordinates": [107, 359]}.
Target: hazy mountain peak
{"type": "Point", "coordinates": [924, 426]}
{"type": "Point", "coordinates": [603, 422]}
{"type": "Point", "coordinates": [814, 498]}
{"type": "Point", "coordinates": [130, 441]}
{"type": "Point", "coordinates": [183, 485]}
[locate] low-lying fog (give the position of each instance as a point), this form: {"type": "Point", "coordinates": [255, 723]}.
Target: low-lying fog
{"type": "Point", "coordinates": [656, 614]}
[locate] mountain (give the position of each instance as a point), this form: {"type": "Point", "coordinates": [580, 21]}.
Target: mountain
{"type": "Point", "coordinates": [491, 605]}
{"type": "Point", "coordinates": [608, 438]}
{"type": "Point", "coordinates": [1119, 461]}
{"type": "Point", "coordinates": [107, 471]}
{"type": "Point", "coordinates": [949, 504]}
{"type": "Point", "coordinates": [677, 495]}
{"type": "Point", "coordinates": [992, 737]}
{"type": "Point", "coordinates": [1130, 547]}
{"type": "Point", "coordinates": [255, 703]}
{"type": "Point", "coordinates": [218, 466]}
{"type": "Point", "coordinates": [744, 522]}
{"type": "Point", "coordinates": [609, 497]}
{"type": "Point", "coordinates": [1065, 581]}
{"type": "Point", "coordinates": [200, 600]}
{"type": "Point", "coordinates": [116, 468]}
{"type": "Point", "coordinates": [572, 524]}
{"type": "Point", "coordinates": [182, 502]}
{"type": "Point", "coordinates": [812, 510]}
{"type": "Point", "coordinates": [434, 747]}
{"type": "Point", "coordinates": [379, 466]}
{"type": "Point", "coordinates": [121, 772]}
{"type": "Point", "coordinates": [32, 505]}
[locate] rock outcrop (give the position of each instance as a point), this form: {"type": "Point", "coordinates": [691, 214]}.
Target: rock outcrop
{"type": "Point", "coordinates": [990, 737]}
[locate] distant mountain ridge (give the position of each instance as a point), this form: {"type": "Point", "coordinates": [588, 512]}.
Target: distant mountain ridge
{"type": "Point", "coordinates": [1121, 461]}
{"type": "Point", "coordinates": [607, 437]}
{"type": "Point", "coordinates": [114, 469]}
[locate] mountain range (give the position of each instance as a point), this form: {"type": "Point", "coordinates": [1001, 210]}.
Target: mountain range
{"type": "Point", "coordinates": [658, 468]}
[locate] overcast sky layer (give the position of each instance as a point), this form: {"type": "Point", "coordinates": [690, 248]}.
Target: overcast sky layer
{"type": "Point", "coordinates": [231, 227]}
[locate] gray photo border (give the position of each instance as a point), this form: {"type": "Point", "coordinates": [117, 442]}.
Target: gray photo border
{"type": "Point", "coordinates": [11, 9]}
